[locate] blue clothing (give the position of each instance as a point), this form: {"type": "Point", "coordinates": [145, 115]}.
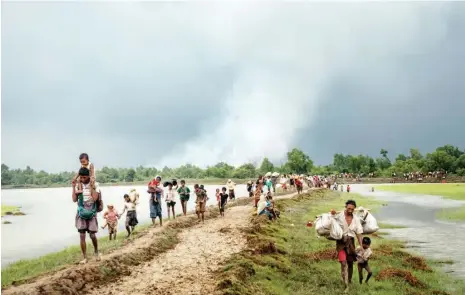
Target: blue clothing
{"type": "Point", "coordinates": [155, 207]}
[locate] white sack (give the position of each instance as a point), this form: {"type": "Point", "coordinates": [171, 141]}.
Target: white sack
{"type": "Point", "coordinates": [323, 224]}
{"type": "Point", "coordinates": [369, 223]}
{"type": "Point", "coordinates": [336, 231]}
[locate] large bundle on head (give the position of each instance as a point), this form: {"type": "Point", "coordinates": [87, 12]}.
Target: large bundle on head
{"type": "Point", "coordinates": [133, 195]}
{"type": "Point", "coordinates": [369, 223]}
{"type": "Point", "coordinates": [275, 174]}
{"type": "Point", "coordinates": [327, 226]}
{"type": "Point", "coordinates": [268, 174]}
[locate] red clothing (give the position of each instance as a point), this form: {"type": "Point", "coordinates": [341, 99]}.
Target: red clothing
{"type": "Point", "coordinates": [298, 182]}
{"type": "Point", "coordinates": [154, 182]}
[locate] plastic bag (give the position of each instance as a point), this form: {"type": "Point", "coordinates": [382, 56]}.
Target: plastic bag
{"type": "Point", "coordinates": [369, 223]}
{"type": "Point", "coordinates": [336, 231]}
{"type": "Point", "coordinates": [323, 224]}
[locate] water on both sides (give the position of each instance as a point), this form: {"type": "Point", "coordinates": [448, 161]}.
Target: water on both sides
{"type": "Point", "coordinates": [48, 225]}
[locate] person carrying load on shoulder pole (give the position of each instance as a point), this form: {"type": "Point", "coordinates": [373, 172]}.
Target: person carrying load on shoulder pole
{"type": "Point", "coordinates": [345, 247]}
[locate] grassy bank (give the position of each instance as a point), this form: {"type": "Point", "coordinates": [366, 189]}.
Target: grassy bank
{"type": "Point", "coordinates": [454, 191]}
{"type": "Point", "coordinates": [28, 269]}
{"type": "Point", "coordinates": [288, 258]}
{"type": "Point", "coordinates": [11, 210]}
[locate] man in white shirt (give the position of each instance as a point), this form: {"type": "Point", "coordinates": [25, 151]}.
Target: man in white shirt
{"type": "Point", "coordinates": [345, 247]}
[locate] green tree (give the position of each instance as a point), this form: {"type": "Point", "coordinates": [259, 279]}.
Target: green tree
{"type": "Point", "coordinates": [401, 157]}
{"type": "Point", "coordinates": [299, 162]}
{"type": "Point", "coordinates": [266, 166]}
{"type": "Point", "coordinates": [130, 175]}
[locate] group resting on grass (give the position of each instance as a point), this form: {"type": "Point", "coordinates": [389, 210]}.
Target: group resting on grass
{"type": "Point", "coordinates": [343, 227]}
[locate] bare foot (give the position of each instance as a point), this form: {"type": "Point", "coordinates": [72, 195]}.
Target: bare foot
{"type": "Point", "coordinates": [97, 256]}
{"type": "Point", "coordinates": [84, 261]}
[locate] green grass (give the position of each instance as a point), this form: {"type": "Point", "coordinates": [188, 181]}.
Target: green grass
{"type": "Point", "coordinates": [287, 258]}
{"type": "Point", "coordinates": [12, 209]}
{"type": "Point", "coordinates": [29, 268]}
{"type": "Point", "coordinates": [454, 191]}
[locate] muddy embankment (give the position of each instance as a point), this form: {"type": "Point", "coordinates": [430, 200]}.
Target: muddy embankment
{"type": "Point", "coordinates": [146, 256]}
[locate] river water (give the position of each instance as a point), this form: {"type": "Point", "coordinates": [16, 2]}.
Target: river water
{"type": "Point", "coordinates": [423, 233]}
{"type": "Point", "coordinates": [48, 225]}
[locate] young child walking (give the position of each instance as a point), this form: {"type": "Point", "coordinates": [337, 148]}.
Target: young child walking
{"type": "Point", "coordinates": [111, 220]}
{"type": "Point", "coordinates": [218, 198]}
{"type": "Point", "coordinates": [171, 200]}
{"type": "Point", "coordinates": [362, 259]}
{"type": "Point", "coordinates": [223, 200]}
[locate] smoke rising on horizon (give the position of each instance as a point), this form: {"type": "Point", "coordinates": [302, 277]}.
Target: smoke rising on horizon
{"type": "Point", "coordinates": [174, 83]}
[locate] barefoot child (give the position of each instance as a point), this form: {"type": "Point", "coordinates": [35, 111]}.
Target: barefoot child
{"type": "Point", "coordinates": [111, 219]}
{"type": "Point", "coordinates": [184, 194]}
{"type": "Point", "coordinates": [131, 215]}
{"type": "Point", "coordinates": [223, 200]}
{"type": "Point", "coordinates": [218, 198]}
{"type": "Point", "coordinates": [200, 202]}
{"type": "Point", "coordinates": [362, 259]}
{"type": "Point", "coordinates": [170, 199]}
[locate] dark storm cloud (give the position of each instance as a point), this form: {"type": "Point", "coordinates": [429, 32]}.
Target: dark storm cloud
{"type": "Point", "coordinates": [169, 83]}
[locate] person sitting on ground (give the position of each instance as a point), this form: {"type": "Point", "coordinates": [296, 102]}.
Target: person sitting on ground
{"type": "Point", "coordinates": [200, 202]}
{"type": "Point", "coordinates": [171, 200]}
{"type": "Point", "coordinates": [231, 186]}
{"type": "Point", "coordinates": [223, 200]}
{"type": "Point", "coordinates": [111, 220]}
{"type": "Point", "coordinates": [85, 195]}
{"type": "Point", "coordinates": [267, 210]}
{"type": "Point", "coordinates": [362, 259]}
{"type": "Point", "coordinates": [131, 215]}
{"type": "Point", "coordinates": [85, 163]}
{"type": "Point", "coordinates": [274, 211]}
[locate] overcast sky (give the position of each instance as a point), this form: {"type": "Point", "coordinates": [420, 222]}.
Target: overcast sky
{"type": "Point", "coordinates": [169, 83]}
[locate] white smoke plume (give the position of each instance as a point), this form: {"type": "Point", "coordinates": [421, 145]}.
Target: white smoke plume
{"type": "Point", "coordinates": [284, 55]}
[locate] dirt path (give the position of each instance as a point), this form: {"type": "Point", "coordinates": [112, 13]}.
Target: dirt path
{"type": "Point", "coordinates": [186, 269]}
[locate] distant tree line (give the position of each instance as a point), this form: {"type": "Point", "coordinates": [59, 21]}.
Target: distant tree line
{"type": "Point", "coordinates": [446, 158]}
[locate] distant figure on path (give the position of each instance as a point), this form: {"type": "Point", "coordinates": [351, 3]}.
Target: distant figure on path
{"type": "Point", "coordinates": [223, 200]}
{"type": "Point", "coordinates": [155, 204]}
{"type": "Point", "coordinates": [86, 194]}
{"type": "Point", "coordinates": [231, 186]}
{"type": "Point", "coordinates": [200, 202]}
{"type": "Point", "coordinates": [348, 188]}
{"type": "Point", "coordinates": [131, 215]}
{"type": "Point", "coordinates": [258, 190]}
{"type": "Point", "coordinates": [171, 200]}
{"type": "Point", "coordinates": [184, 194]}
